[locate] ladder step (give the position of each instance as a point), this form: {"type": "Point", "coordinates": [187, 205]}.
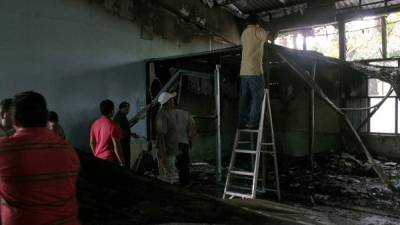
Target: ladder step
{"type": "Point", "coordinates": [268, 144]}
{"type": "Point", "coordinates": [270, 190]}
{"type": "Point", "coordinates": [240, 195]}
{"type": "Point", "coordinates": [243, 142]}
{"type": "Point", "coordinates": [242, 173]}
{"type": "Point", "coordinates": [245, 151]}
{"type": "Point", "coordinates": [259, 190]}
{"type": "Point", "coordinates": [268, 152]}
{"type": "Point", "coordinates": [249, 131]}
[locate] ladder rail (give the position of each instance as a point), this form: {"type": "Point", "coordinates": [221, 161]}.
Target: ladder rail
{"type": "Point", "coordinates": [231, 164]}
{"type": "Point", "coordinates": [258, 147]}
{"type": "Point", "coordinates": [271, 127]}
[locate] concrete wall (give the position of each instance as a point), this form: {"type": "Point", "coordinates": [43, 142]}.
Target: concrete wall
{"type": "Point", "coordinates": [76, 54]}
{"type": "Point", "coordinates": [384, 145]}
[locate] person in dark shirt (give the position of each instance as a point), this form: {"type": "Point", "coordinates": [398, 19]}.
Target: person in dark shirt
{"type": "Point", "coordinates": [122, 120]}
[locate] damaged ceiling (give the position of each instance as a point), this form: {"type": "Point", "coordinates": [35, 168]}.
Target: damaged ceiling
{"type": "Point", "coordinates": [278, 8]}
{"type": "Point", "coordinates": [290, 13]}
{"type": "Point", "coordinates": [222, 19]}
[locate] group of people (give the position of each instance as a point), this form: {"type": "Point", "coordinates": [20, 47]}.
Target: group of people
{"type": "Point", "coordinates": [6, 125]}
{"type": "Point", "coordinates": [110, 137]}
{"type": "Point", "coordinates": [39, 168]}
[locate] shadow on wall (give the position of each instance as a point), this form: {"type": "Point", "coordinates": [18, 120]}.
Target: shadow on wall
{"type": "Point", "coordinates": [77, 98]}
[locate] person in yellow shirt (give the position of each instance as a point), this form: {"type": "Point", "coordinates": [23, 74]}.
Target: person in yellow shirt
{"type": "Point", "coordinates": [251, 73]}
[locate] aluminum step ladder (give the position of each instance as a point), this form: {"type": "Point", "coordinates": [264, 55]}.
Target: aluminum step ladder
{"type": "Point", "coordinates": [260, 150]}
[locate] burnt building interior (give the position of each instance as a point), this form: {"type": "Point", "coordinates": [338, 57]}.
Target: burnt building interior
{"type": "Point", "coordinates": [328, 151]}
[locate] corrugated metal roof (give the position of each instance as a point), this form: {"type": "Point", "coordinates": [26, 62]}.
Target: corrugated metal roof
{"type": "Point", "coordinates": [257, 6]}
{"type": "Point", "coordinates": [365, 4]}
{"type": "Point", "coordinates": [274, 6]}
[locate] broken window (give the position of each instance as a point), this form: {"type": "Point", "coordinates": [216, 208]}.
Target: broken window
{"type": "Point", "coordinates": [364, 39]}
{"type": "Point", "coordinates": [294, 40]}
{"type": "Point", "coordinates": [384, 120]}
{"type": "Point", "coordinates": [324, 39]}
{"type": "Point", "coordinates": [393, 34]}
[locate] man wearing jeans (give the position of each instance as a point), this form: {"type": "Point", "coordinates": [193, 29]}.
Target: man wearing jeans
{"type": "Point", "coordinates": [251, 74]}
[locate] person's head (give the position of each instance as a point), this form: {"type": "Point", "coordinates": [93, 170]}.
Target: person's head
{"type": "Point", "coordinates": [272, 34]}
{"type": "Point", "coordinates": [107, 108]}
{"type": "Point", "coordinates": [124, 108]}
{"type": "Point", "coordinates": [167, 100]}
{"type": "Point", "coordinates": [53, 117]}
{"type": "Point", "coordinates": [253, 19]}
{"type": "Point", "coordinates": [30, 110]}
{"type": "Point", "coordinates": [53, 120]}
{"type": "Point", "coordinates": [5, 113]}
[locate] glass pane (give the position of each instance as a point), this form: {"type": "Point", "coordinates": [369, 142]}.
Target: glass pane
{"type": "Point", "coordinates": [324, 39]}
{"type": "Point", "coordinates": [383, 121]}
{"type": "Point", "coordinates": [378, 88]}
{"type": "Point", "coordinates": [393, 34]}
{"type": "Point", "coordinates": [391, 63]}
{"type": "Point", "coordinates": [363, 39]}
{"type": "Point", "coordinates": [290, 40]}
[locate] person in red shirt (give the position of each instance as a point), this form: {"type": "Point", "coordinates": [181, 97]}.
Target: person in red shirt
{"type": "Point", "coordinates": [105, 135]}
{"type": "Point", "coordinates": [38, 169]}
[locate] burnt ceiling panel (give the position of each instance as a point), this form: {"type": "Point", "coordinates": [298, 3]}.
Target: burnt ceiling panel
{"type": "Point", "coordinates": [257, 6]}
{"type": "Point", "coordinates": [279, 8]}
{"type": "Point", "coordinates": [365, 4]}
{"type": "Point", "coordinates": [300, 13]}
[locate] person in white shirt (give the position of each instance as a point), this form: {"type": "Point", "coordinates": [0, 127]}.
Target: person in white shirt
{"type": "Point", "coordinates": [186, 129]}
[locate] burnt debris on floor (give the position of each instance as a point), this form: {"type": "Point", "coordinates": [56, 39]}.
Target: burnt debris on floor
{"type": "Point", "coordinates": [341, 179]}
{"type": "Point", "coordinates": [341, 185]}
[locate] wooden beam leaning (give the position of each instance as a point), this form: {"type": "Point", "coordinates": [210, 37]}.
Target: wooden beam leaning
{"type": "Point", "coordinates": [305, 76]}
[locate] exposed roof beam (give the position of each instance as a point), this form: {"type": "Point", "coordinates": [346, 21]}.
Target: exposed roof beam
{"type": "Point", "coordinates": [266, 10]}
{"type": "Point", "coordinates": [326, 15]}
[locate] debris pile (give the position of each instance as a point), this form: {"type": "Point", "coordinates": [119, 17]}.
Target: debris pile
{"type": "Point", "coordinates": [342, 179]}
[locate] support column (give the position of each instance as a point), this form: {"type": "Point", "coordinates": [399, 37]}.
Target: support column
{"type": "Point", "coordinates": [384, 37]}
{"type": "Point", "coordinates": [218, 121]}
{"type": "Point", "coordinates": [312, 119]}
{"type": "Point", "coordinates": [342, 40]}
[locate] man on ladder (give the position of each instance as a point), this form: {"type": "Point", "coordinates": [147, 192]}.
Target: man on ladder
{"type": "Point", "coordinates": [252, 105]}
{"type": "Point", "coordinates": [251, 74]}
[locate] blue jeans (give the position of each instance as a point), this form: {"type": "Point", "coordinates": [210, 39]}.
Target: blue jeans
{"type": "Point", "coordinates": [251, 97]}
